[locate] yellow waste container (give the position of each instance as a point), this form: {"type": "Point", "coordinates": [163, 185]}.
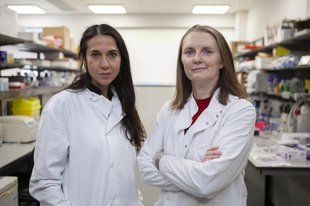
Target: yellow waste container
{"type": "Point", "coordinates": [27, 107]}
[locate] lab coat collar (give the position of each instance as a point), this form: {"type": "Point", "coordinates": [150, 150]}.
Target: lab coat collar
{"type": "Point", "coordinates": [100, 103]}
{"type": "Point", "coordinates": [206, 119]}
{"type": "Point", "coordinates": [117, 113]}
{"type": "Point", "coordinates": [111, 110]}
{"type": "Point", "coordinates": [210, 116]}
{"type": "Point", "coordinates": [184, 118]}
{"type": "Point", "coordinates": [94, 89]}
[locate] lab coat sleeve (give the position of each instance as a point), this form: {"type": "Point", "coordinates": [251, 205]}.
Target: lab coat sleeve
{"type": "Point", "coordinates": [152, 145]}
{"type": "Point", "coordinates": [50, 156]}
{"type": "Point", "coordinates": [205, 179]}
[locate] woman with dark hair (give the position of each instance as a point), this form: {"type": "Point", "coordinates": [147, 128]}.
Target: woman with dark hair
{"type": "Point", "coordinates": [90, 133]}
{"type": "Point", "coordinates": [208, 110]}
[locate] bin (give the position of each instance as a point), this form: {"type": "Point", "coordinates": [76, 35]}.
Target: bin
{"type": "Point", "coordinates": [27, 107]}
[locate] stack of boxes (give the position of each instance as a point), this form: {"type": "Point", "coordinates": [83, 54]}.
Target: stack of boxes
{"type": "Point", "coordinates": [57, 37]}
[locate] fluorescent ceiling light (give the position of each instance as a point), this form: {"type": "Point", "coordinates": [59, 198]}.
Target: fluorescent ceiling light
{"type": "Point", "coordinates": [26, 9]}
{"type": "Point", "coordinates": [107, 9]}
{"type": "Point", "coordinates": [210, 9]}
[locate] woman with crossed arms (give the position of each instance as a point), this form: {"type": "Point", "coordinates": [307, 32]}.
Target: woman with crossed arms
{"type": "Point", "coordinates": [209, 109]}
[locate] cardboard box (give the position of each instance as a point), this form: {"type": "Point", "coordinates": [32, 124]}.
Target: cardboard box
{"type": "Point", "coordinates": [263, 62]}
{"type": "Point", "coordinates": [61, 32]}
{"type": "Point", "coordinates": [235, 46]}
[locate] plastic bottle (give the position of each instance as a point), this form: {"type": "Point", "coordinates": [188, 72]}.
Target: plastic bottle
{"type": "Point", "coordinates": [303, 120]}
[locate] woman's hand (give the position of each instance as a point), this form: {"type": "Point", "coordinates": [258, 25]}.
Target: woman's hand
{"type": "Point", "coordinates": [212, 153]}
{"type": "Point", "coordinates": [157, 158]}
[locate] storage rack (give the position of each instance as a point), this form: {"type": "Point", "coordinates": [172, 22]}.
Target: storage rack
{"type": "Point", "coordinates": [29, 46]}
{"type": "Point", "coordinates": [300, 43]}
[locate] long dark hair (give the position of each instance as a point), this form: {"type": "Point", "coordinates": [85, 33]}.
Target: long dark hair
{"type": "Point", "coordinates": [123, 85]}
{"type": "Point", "coordinates": [227, 83]}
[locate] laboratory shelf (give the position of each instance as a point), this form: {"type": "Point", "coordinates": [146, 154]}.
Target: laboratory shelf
{"type": "Point", "coordinates": [297, 43]}
{"type": "Point", "coordinates": [29, 92]}
{"type": "Point", "coordinates": [8, 40]}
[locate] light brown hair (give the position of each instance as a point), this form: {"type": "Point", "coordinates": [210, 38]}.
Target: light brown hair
{"type": "Point", "coordinates": [227, 83]}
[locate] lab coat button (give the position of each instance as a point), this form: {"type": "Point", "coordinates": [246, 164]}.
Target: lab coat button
{"type": "Point", "coordinates": [111, 165]}
{"type": "Point", "coordinates": [186, 146]}
{"type": "Point", "coordinates": [221, 111]}
{"type": "Point", "coordinates": [207, 123]}
{"type": "Point", "coordinates": [217, 116]}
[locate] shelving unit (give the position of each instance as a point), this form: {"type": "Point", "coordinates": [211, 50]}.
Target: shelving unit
{"type": "Point", "coordinates": [281, 88]}
{"type": "Point", "coordinates": [29, 92]}
{"type": "Point", "coordinates": [288, 73]}
{"type": "Point", "coordinates": [274, 111]}
{"type": "Point", "coordinates": [8, 40]}
{"type": "Point", "coordinates": [297, 43]}
{"type": "Point", "coordinates": [28, 46]}
{"type": "Point", "coordinates": [37, 48]}
{"type": "Point", "coordinates": [35, 68]}
{"type": "Point", "coordinates": [8, 66]}
{"type": "Point", "coordinates": [285, 97]}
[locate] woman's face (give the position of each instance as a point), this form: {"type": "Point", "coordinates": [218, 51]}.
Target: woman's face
{"type": "Point", "coordinates": [103, 61]}
{"type": "Point", "coordinates": [201, 58]}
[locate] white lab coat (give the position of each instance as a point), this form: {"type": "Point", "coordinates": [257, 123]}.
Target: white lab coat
{"type": "Point", "coordinates": [183, 178]}
{"type": "Point", "coordinates": [82, 156]}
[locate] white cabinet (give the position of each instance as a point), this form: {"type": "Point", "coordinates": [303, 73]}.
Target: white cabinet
{"type": "Point", "coordinates": [8, 191]}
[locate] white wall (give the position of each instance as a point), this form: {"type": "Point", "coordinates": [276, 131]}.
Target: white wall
{"type": "Point", "coordinates": [240, 26]}
{"type": "Point", "coordinates": [77, 23]}
{"type": "Point", "coordinates": [149, 101]}
{"type": "Point", "coordinates": [270, 12]}
{"type": "Point", "coordinates": [152, 40]}
{"type": "Point", "coordinates": [153, 53]}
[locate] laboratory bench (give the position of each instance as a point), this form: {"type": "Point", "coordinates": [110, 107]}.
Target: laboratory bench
{"type": "Point", "coordinates": [16, 159]}
{"type": "Point", "coordinates": [285, 185]}
{"type": "Point", "coordinates": [277, 183]}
